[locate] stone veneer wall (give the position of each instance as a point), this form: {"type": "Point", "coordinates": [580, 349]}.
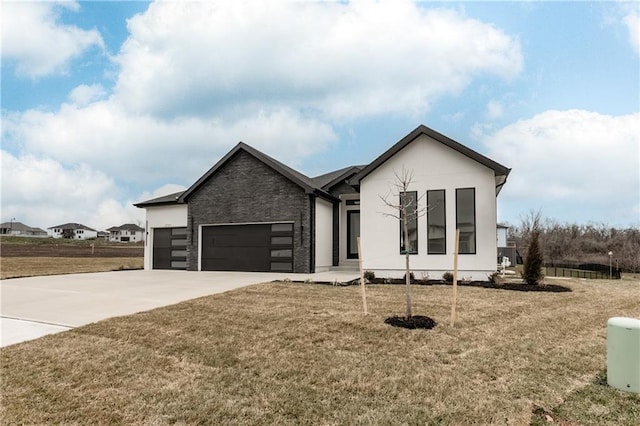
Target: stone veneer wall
{"type": "Point", "coordinates": [245, 190]}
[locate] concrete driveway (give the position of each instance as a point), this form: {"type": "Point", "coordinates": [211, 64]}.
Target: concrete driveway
{"type": "Point", "coordinates": [36, 306]}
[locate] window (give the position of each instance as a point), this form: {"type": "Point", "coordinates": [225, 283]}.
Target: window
{"type": "Point", "coordinates": [410, 201]}
{"type": "Point", "coordinates": [282, 253]}
{"type": "Point", "coordinates": [281, 240]}
{"type": "Point", "coordinates": [466, 219]}
{"type": "Point", "coordinates": [436, 222]}
{"type": "Point", "coordinates": [282, 227]}
{"type": "Point", "coordinates": [179, 231]}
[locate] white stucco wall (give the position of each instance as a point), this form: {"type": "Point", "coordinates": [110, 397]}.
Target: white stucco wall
{"type": "Point", "coordinates": [435, 166]}
{"type": "Point", "coordinates": [172, 216]}
{"type": "Point", "coordinates": [324, 235]}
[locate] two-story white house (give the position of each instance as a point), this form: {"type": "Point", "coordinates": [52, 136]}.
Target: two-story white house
{"type": "Point", "coordinates": [74, 231]}
{"type": "Point", "coordinates": [126, 233]}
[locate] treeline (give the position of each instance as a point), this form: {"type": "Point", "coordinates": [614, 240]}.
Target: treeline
{"type": "Point", "coordinates": [582, 243]}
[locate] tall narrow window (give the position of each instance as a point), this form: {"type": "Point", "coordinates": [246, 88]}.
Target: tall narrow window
{"type": "Point", "coordinates": [466, 219]}
{"type": "Point", "coordinates": [436, 222]}
{"type": "Point", "coordinates": [410, 201]}
{"type": "Point", "coordinates": [353, 232]}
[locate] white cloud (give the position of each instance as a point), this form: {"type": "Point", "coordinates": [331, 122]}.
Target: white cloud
{"type": "Point", "coordinates": [42, 192]}
{"type": "Point", "coordinates": [83, 95]}
{"type": "Point", "coordinates": [342, 60]}
{"type": "Point", "coordinates": [37, 42]}
{"type": "Point", "coordinates": [145, 149]}
{"type": "Point", "coordinates": [197, 77]}
{"type": "Point", "coordinates": [572, 162]}
{"type": "Point", "coordinates": [632, 21]}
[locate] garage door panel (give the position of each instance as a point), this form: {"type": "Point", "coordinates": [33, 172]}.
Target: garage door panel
{"type": "Point", "coordinates": [240, 248]}
{"type": "Point", "coordinates": [169, 248]}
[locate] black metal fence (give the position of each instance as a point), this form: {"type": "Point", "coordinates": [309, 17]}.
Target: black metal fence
{"type": "Point", "coordinates": [582, 270]}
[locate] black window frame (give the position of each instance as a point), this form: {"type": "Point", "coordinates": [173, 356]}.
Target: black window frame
{"type": "Point", "coordinates": [475, 228]}
{"type": "Point", "coordinates": [430, 209]}
{"type": "Point", "coordinates": [351, 255]}
{"type": "Point", "coordinates": [400, 197]}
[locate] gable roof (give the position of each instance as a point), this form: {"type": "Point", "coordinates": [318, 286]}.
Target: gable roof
{"type": "Point", "coordinates": [328, 180]}
{"type": "Point", "coordinates": [305, 182]}
{"type": "Point", "coordinates": [73, 226]}
{"type": "Point", "coordinates": [126, 227]}
{"type": "Point", "coordinates": [161, 201]}
{"type": "Point", "coordinates": [501, 172]}
{"type": "Point", "coordinates": [21, 227]}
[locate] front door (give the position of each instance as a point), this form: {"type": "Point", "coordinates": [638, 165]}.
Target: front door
{"type": "Point", "coordinates": [353, 232]}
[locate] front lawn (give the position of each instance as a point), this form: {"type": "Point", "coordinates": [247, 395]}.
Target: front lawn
{"type": "Point", "coordinates": [286, 353]}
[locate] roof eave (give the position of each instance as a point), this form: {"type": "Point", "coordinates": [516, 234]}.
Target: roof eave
{"type": "Point", "coordinates": [498, 168]}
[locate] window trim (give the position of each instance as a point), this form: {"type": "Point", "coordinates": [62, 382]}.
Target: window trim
{"type": "Point", "coordinates": [401, 222]}
{"type": "Point", "coordinates": [475, 227]}
{"type": "Point", "coordinates": [444, 216]}
{"type": "Point", "coordinates": [350, 255]}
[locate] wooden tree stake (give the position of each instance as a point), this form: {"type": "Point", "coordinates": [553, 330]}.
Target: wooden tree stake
{"type": "Point", "coordinates": [364, 296]}
{"type": "Point", "coordinates": [455, 278]}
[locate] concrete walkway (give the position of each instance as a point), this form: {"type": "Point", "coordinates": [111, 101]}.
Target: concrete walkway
{"type": "Point", "coordinates": [36, 306]}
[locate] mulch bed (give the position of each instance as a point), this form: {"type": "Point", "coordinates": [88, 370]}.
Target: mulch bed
{"type": "Point", "coordinates": [514, 286]}
{"type": "Point", "coordinates": [414, 322]}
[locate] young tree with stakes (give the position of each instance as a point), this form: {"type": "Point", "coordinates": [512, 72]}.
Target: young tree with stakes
{"type": "Point", "coordinates": [405, 210]}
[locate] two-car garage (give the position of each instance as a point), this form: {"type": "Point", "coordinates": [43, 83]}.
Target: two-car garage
{"type": "Point", "coordinates": [255, 247]}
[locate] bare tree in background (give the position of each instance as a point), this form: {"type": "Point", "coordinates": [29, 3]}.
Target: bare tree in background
{"type": "Point", "coordinates": [405, 210]}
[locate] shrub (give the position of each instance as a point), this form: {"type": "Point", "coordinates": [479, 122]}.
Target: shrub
{"type": "Point", "coordinates": [495, 278]}
{"type": "Point", "coordinates": [447, 277]}
{"type": "Point", "coordinates": [369, 275]}
{"type": "Point", "coordinates": [532, 272]}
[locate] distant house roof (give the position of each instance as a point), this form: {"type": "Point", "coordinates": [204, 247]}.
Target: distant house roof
{"type": "Point", "coordinates": [501, 172]}
{"type": "Point", "coordinates": [22, 228]}
{"type": "Point", "coordinates": [305, 182]}
{"type": "Point", "coordinates": [73, 226]}
{"type": "Point", "coordinates": [126, 227]}
{"type": "Point", "coordinates": [500, 225]}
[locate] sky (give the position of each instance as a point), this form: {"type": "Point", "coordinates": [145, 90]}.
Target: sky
{"type": "Point", "coordinates": [105, 104]}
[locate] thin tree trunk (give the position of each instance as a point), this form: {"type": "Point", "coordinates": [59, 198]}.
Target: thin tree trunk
{"type": "Point", "coordinates": [408, 285]}
{"type": "Point", "coordinates": [407, 273]}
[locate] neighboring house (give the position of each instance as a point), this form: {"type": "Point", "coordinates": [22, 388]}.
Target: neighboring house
{"type": "Point", "coordinates": [103, 235]}
{"type": "Point", "coordinates": [126, 233]}
{"type": "Point", "coordinates": [21, 230]}
{"type": "Point", "coordinates": [501, 235]}
{"type": "Point", "coordinates": [74, 231]}
{"type": "Point", "coordinates": [250, 212]}
{"type": "Point", "coordinates": [507, 247]}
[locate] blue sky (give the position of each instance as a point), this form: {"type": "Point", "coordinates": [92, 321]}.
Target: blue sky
{"type": "Point", "coordinates": [109, 103]}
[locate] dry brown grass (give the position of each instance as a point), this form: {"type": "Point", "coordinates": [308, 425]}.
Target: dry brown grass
{"type": "Point", "coordinates": [14, 267]}
{"type": "Point", "coordinates": [300, 353]}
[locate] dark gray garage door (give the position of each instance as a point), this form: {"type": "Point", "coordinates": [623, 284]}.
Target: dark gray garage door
{"type": "Point", "coordinates": [170, 248]}
{"type": "Point", "coordinates": [254, 247]}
